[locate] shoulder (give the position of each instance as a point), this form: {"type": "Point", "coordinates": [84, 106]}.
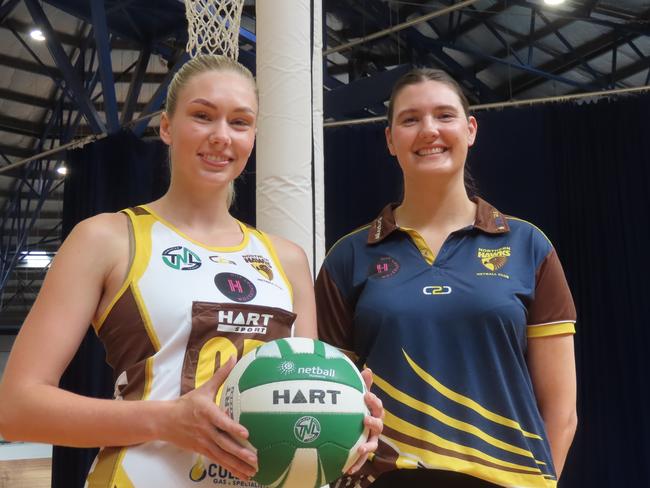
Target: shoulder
{"type": "Point", "coordinates": [528, 239]}
{"type": "Point", "coordinates": [524, 229]}
{"type": "Point", "coordinates": [103, 236]}
{"type": "Point", "coordinates": [289, 253]}
{"type": "Point", "coordinates": [103, 229]}
{"type": "Point", "coordinates": [358, 238]}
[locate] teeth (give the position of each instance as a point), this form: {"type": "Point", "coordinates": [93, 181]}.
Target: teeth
{"type": "Point", "coordinates": [215, 159]}
{"type": "Point", "coordinates": [431, 150]}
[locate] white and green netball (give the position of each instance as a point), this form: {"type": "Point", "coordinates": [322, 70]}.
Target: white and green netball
{"type": "Point", "coordinates": [302, 403]}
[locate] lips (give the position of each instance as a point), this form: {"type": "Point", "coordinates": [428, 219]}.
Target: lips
{"type": "Point", "coordinates": [215, 160]}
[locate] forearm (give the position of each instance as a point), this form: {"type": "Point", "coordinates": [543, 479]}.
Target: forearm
{"type": "Point", "coordinates": [51, 415]}
{"type": "Point", "coordinates": [560, 429]}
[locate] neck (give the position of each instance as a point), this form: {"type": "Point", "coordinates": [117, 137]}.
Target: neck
{"type": "Point", "coordinates": [443, 205]}
{"type": "Point", "coordinates": [194, 207]}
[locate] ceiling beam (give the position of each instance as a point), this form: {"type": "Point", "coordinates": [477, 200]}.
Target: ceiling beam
{"type": "Point", "coordinates": [570, 60]}
{"type": "Point", "coordinates": [32, 129]}
{"type": "Point", "coordinates": [18, 152]}
{"type": "Point", "coordinates": [359, 94]}
{"type": "Point", "coordinates": [73, 83]}
{"type": "Point", "coordinates": [135, 87]}
{"type": "Point", "coordinates": [54, 73]}
{"type": "Point", "coordinates": [102, 40]}
{"type": "Point", "coordinates": [69, 39]}
{"type": "Point", "coordinates": [534, 37]}
{"type": "Point", "coordinates": [41, 102]}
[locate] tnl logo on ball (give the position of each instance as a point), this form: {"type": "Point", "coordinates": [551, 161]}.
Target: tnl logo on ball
{"type": "Point", "coordinates": [306, 429]}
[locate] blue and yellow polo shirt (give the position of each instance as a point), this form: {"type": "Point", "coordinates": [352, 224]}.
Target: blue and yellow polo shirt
{"type": "Point", "coordinates": [446, 338]}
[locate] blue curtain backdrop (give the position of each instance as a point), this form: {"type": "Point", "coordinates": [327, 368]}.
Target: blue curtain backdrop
{"type": "Point", "coordinates": [582, 174]}
{"type": "Point", "coordinates": [111, 174]}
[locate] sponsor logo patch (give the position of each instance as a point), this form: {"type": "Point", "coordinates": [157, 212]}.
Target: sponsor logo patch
{"type": "Point", "coordinates": [181, 258]}
{"type": "Point", "coordinates": [243, 322]}
{"type": "Point", "coordinates": [437, 290]}
{"type": "Point", "coordinates": [384, 267]}
{"type": "Point", "coordinates": [222, 260]}
{"type": "Point", "coordinates": [260, 264]}
{"type": "Point", "coordinates": [236, 287]}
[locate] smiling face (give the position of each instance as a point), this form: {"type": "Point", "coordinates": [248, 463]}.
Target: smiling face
{"type": "Point", "coordinates": [430, 132]}
{"type": "Point", "coordinates": [211, 131]}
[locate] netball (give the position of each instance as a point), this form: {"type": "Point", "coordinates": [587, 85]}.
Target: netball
{"type": "Point", "coordinates": [302, 403]}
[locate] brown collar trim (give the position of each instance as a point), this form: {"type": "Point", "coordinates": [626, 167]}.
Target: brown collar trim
{"type": "Point", "coordinates": [383, 225]}
{"type": "Point", "coordinates": [488, 219]}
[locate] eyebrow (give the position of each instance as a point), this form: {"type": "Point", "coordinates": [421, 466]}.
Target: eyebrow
{"type": "Point", "coordinates": [437, 108]}
{"type": "Point", "coordinates": [208, 103]}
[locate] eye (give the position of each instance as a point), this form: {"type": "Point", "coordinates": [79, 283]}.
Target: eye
{"type": "Point", "coordinates": [447, 116]}
{"type": "Point", "coordinates": [410, 120]}
{"type": "Point", "coordinates": [200, 115]}
{"type": "Point", "coordinates": [241, 123]}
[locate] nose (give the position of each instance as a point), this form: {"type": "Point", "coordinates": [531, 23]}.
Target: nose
{"type": "Point", "coordinates": [219, 134]}
{"type": "Point", "coordinates": [429, 126]}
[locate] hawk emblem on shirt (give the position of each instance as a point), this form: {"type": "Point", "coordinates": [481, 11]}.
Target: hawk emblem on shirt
{"type": "Point", "coordinates": [261, 264]}
{"type": "Point", "coordinates": [494, 259]}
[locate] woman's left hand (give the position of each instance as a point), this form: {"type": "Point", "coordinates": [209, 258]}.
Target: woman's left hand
{"type": "Point", "coordinates": [374, 422]}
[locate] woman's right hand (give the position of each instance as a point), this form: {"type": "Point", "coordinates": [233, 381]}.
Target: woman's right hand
{"type": "Point", "coordinates": [198, 424]}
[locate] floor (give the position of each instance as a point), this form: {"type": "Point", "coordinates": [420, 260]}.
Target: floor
{"type": "Point", "coordinates": [26, 473]}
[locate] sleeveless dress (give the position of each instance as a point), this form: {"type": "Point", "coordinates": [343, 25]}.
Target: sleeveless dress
{"type": "Point", "coordinates": [184, 309]}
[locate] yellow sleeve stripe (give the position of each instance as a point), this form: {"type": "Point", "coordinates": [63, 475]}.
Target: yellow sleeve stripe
{"type": "Point", "coordinates": [532, 225]}
{"type": "Point", "coordinates": [545, 330]}
{"type": "Point", "coordinates": [446, 419]}
{"type": "Point", "coordinates": [467, 402]}
{"type": "Point", "coordinates": [367, 226]}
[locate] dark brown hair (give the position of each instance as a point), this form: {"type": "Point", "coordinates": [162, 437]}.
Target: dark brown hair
{"type": "Point", "coordinates": [420, 75]}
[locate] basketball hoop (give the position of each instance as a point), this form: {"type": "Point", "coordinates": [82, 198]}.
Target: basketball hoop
{"type": "Point", "coordinates": [213, 27]}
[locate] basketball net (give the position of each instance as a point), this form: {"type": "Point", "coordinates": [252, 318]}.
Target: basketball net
{"type": "Point", "coordinates": [213, 27]}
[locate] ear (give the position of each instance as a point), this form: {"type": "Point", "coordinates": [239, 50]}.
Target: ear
{"type": "Point", "coordinates": [472, 128]}
{"type": "Point", "coordinates": [389, 141]}
{"type": "Point", "coordinates": [165, 129]}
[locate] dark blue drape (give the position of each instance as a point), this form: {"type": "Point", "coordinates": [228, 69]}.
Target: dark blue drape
{"type": "Point", "coordinates": [111, 174]}
{"type": "Point", "coordinates": [582, 174]}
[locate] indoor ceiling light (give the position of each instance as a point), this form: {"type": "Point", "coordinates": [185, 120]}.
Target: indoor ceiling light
{"type": "Point", "coordinates": [553, 2]}
{"type": "Point", "coordinates": [34, 259]}
{"type": "Point", "coordinates": [37, 35]}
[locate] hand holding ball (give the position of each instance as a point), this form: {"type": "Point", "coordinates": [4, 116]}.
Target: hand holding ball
{"type": "Point", "coordinates": [302, 402]}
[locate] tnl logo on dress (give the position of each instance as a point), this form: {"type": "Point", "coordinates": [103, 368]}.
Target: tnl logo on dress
{"type": "Point", "coordinates": [179, 257]}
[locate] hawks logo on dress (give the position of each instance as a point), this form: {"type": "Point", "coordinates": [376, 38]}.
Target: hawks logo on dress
{"type": "Point", "coordinates": [260, 264]}
{"type": "Point", "coordinates": [384, 267]}
{"type": "Point", "coordinates": [494, 259]}
{"type": "Point", "coordinates": [179, 257]}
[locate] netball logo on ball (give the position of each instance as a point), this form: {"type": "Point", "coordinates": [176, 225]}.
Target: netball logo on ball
{"type": "Point", "coordinates": [306, 429]}
{"type": "Point", "coordinates": [287, 367]}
